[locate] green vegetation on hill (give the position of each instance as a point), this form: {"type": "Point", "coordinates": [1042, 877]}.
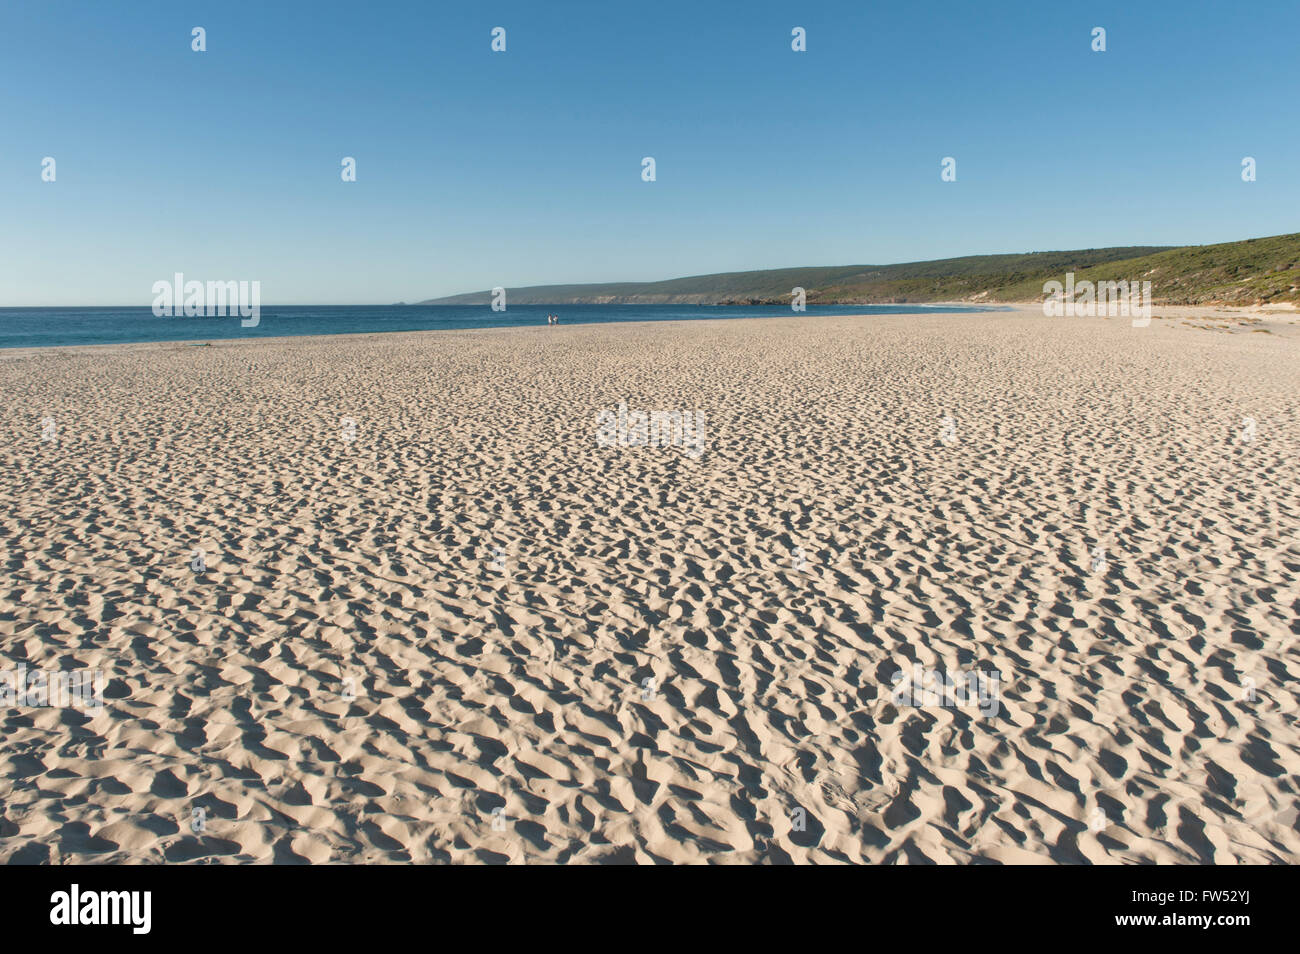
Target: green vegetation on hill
{"type": "Point", "coordinates": [1254, 271]}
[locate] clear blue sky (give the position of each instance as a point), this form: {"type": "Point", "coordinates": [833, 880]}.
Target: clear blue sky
{"type": "Point", "coordinates": [478, 169]}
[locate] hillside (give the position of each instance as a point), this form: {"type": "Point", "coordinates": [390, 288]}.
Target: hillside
{"type": "Point", "coordinates": [1252, 271]}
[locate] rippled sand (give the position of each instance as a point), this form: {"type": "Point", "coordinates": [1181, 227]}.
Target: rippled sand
{"type": "Point", "coordinates": [458, 629]}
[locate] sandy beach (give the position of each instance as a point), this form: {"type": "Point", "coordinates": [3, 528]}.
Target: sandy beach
{"type": "Point", "coordinates": [389, 598]}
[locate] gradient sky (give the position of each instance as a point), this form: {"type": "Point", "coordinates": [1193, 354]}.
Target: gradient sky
{"type": "Point", "coordinates": [478, 169]}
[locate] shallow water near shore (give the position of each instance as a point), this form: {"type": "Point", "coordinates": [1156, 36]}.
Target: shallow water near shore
{"type": "Point", "coordinates": [50, 327]}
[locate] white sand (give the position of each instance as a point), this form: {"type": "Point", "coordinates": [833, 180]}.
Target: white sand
{"type": "Point", "coordinates": [1092, 526]}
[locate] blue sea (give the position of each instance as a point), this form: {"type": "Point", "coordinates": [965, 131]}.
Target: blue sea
{"type": "Point", "coordinates": [42, 327]}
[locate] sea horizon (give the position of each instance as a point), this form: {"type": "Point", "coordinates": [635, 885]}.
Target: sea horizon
{"type": "Point", "coordinates": [54, 326]}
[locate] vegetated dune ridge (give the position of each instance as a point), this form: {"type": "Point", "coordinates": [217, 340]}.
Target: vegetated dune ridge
{"type": "Point", "coordinates": [459, 629]}
{"type": "Point", "coordinates": [1251, 272]}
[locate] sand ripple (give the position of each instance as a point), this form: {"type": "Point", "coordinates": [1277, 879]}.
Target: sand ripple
{"type": "Point", "coordinates": [470, 634]}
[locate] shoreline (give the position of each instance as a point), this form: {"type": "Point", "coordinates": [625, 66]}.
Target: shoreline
{"type": "Point", "coordinates": [1263, 314]}
{"type": "Point", "coordinates": [205, 340]}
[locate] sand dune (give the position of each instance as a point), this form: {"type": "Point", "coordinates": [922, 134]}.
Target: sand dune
{"type": "Point", "coordinates": [436, 621]}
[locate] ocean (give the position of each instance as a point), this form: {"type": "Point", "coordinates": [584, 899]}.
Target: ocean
{"type": "Point", "coordinates": [43, 327]}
